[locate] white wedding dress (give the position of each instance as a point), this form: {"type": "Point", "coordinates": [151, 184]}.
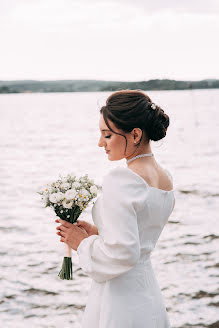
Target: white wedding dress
{"type": "Point", "coordinates": [130, 216]}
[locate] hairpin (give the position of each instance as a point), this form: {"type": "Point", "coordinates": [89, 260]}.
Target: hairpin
{"type": "Point", "coordinates": [153, 106]}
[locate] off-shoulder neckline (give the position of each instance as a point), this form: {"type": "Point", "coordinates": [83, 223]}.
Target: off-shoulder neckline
{"type": "Point", "coordinates": [136, 174]}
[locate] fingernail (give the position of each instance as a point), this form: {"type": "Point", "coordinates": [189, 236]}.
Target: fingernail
{"type": "Point", "coordinates": [75, 223]}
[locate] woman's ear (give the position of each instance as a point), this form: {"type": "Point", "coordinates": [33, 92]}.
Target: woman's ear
{"type": "Point", "coordinates": [136, 134]}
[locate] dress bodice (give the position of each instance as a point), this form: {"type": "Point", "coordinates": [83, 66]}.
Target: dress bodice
{"type": "Point", "coordinates": [152, 218]}
{"type": "Point", "coordinates": [130, 216]}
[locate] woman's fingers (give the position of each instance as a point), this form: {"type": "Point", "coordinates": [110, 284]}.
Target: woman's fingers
{"type": "Point", "coordinates": [65, 227]}
{"type": "Point", "coordinates": [80, 222]}
{"type": "Point", "coordinates": [61, 227]}
{"type": "Point", "coordinates": [65, 223]}
{"type": "Point", "coordinates": [83, 224]}
{"type": "Point", "coordinates": [83, 229]}
{"type": "Point", "coordinates": [61, 233]}
{"type": "Point", "coordinates": [68, 224]}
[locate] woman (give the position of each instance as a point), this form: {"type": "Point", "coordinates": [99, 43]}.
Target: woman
{"type": "Point", "coordinates": [129, 215]}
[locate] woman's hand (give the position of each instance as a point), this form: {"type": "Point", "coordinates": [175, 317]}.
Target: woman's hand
{"type": "Point", "coordinates": [71, 234]}
{"type": "Point", "coordinates": [90, 228]}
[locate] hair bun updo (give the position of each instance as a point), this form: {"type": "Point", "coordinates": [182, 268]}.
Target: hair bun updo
{"type": "Point", "coordinates": [129, 109]}
{"type": "Point", "coordinates": [159, 123]}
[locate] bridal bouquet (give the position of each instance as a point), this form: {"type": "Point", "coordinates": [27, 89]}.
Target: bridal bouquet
{"type": "Point", "coordinates": [69, 196]}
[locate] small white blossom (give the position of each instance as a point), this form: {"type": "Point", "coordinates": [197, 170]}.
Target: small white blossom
{"type": "Point", "coordinates": [84, 192]}
{"type": "Point", "coordinates": [45, 197]}
{"type": "Point", "coordinates": [93, 189]}
{"type": "Point", "coordinates": [70, 194]}
{"type": "Point", "coordinates": [76, 184]}
{"type": "Point", "coordinates": [59, 196]}
{"type": "Point", "coordinates": [52, 198]}
{"type": "Point", "coordinates": [67, 204]}
{"type": "Point", "coordinates": [65, 185]}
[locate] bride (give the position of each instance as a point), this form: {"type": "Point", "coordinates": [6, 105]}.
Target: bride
{"type": "Point", "coordinates": [129, 216]}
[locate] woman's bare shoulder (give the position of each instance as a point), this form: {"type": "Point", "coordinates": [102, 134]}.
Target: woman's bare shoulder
{"type": "Point", "coordinates": [156, 177]}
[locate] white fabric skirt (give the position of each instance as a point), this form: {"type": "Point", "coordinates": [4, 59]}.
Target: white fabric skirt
{"type": "Point", "coordinates": [131, 300]}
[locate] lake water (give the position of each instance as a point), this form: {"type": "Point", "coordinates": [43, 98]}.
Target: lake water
{"type": "Point", "coordinates": [44, 135]}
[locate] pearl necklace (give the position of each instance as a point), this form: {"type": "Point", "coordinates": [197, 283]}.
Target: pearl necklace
{"type": "Point", "coordinates": [138, 156]}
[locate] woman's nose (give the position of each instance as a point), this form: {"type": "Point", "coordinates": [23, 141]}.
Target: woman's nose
{"type": "Point", "coordinates": [100, 143]}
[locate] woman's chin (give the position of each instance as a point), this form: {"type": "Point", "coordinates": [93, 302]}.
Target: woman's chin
{"type": "Point", "coordinates": [113, 158]}
{"type": "Point", "coordinates": [110, 158]}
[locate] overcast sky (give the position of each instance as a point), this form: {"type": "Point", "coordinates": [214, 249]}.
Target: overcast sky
{"type": "Point", "coordinates": [128, 40]}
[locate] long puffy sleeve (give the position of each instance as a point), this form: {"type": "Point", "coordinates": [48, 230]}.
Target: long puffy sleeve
{"type": "Point", "coordinates": [117, 249]}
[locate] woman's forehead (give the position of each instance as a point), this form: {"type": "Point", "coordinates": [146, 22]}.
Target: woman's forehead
{"type": "Point", "coordinates": [102, 125]}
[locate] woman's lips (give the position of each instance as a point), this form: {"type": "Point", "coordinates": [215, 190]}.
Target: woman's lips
{"type": "Point", "coordinates": [107, 151]}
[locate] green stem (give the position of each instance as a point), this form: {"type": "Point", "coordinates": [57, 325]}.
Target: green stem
{"type": "Point", "coordinates": [66, 271]}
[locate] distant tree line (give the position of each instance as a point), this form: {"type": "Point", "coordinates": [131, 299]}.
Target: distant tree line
{"type": "Point", "coordinates": [98, 85]}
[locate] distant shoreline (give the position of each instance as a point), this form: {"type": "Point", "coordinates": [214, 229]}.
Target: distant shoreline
{"type": "Point", "coordinates": [33, 86]}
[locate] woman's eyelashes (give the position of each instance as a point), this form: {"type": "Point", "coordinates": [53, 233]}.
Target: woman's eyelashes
{"type": "Point", "coordinates": [107, 136]}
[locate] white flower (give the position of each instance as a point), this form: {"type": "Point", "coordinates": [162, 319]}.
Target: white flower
{"type": "Point", "coordinates": [70, 194]}
{"type": "Point", "coordinates": [49, 189]}
{"type": "Point", "coordinates": [65, 185]}
{"type": "Point", "coordinates": [59, 196]}
{"type": "Point", "coordinates": [84, 192]}
{"type": "Point", "coordinates": [67, 203]}
{"type": "Point", "coordinates": [80, 204]}
{"type": "Point", "coordinates": [93, 189]}
{"type": "Point", "coordinates": [76, 184]}
{"type": "Point", "coordinates": [45, 198]}
{"type": "Point", "coordinates": [71, 175]}
{"type": "Point", "coordinates": [53, 198]}
{"type": "Point", "coordinates": [83, 179]}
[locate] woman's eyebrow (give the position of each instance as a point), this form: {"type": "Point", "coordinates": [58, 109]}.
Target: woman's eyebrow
{"type": "Point", "coordinates": [105, 130]}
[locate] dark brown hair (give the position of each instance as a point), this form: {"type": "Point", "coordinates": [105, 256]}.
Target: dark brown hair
{"type": "Point", "coordinates": [129, 109]}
